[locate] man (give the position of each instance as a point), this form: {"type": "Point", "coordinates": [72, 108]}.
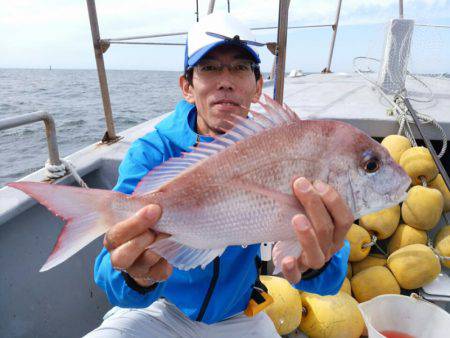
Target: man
{"type": "Point", "coordinates": [156, 300]}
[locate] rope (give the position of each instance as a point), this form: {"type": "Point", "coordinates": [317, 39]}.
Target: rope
{"type": "Point", "coordinates": [57, 171]}
{"type": "Point", "coordinates": [405, 119]}
{"type": "Point", "coordinates": [374, 243]}
{"type": "Point", "coordinates": [402, 115]}
{"type": "Point", "coordinates": [370, 244]}
{"type": "Point", "coordinates": [441, 257]}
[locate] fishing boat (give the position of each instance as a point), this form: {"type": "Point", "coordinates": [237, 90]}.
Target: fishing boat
{"type": "Point", "coordinates": [65, 302]}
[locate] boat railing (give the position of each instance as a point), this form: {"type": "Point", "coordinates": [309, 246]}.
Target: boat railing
{"type": "Point", "coordinates": [50, 130]}
{"type": "Point", "coordinates": [278, 49]}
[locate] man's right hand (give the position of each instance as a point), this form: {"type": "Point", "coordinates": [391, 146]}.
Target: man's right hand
{"type": "Point", "coordinates": [128, 242]}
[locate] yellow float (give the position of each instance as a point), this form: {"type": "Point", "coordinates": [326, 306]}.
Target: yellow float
{"type": "Point", "coordinates": [396, 145]}
{"type": "Point", "coordinates": [417, 162]}
{"type": "Point", "coordinates": [439, 184]}
{"type": "Point", "coordinates": [346, 287]}
{"type": "Point", "coordinates": [442, 244]}
{"type": "Point", "coordinates": [423, 207]}
{"type": "Point", "coordinates": [406, 235]}
{"type": "Point", "coordinates": [414, 266]}
{"type": "Point", "coordinates": [358, 237]}
{"type": "Point", "coordinates": [372, 282]}
{"type": "Point", "coordinates": [382, 223]}
{"type": "Point", "coordinates": [286, 309]}
{"type": "Point", "coordinates": [371, 260]}
{"type": "Point", "coordinates": [349, 270]}
{"type": "Point", "coordinates": [331, 316]}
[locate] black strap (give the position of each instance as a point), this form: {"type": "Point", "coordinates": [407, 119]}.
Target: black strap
{"type": "Point", "coordinates": [132, 284]}
{"type": "Point", "coordinates": [212, 285]}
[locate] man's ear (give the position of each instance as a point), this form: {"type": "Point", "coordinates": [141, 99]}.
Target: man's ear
{"type": "Point", "coordinates": [259, 85]}
{"type": "Point", "coordinates": [186, 89]}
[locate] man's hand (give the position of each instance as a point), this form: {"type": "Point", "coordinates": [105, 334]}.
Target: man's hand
{"type": "Point", "coordinates": [321, 232]}
{"type": "Point", "coordinates": [127, 243]}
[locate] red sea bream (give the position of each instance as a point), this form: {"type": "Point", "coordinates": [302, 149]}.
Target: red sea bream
{"type": "Point", "coordinates": [236, 190]}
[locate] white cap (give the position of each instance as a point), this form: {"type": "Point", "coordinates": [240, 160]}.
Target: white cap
{"type": "Point", "coordinates": [215, 30]}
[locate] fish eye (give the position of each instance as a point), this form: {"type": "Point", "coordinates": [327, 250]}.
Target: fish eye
{"type": "Point", "coordinates": [371, 163]}
{"type": "Point", "coordinates": [372, 166]}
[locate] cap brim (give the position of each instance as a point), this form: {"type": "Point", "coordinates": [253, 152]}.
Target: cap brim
{"type": "Point", "coordinates": [198, 55]}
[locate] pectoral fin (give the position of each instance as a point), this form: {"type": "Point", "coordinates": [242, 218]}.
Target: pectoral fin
{"type": "Point", "coordinates": [284, 249]}
{"type": "Point", "coordinates": [184, 257]}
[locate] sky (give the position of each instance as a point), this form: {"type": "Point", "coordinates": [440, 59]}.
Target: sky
{"type": "Point", "coordinates": [43, 33]}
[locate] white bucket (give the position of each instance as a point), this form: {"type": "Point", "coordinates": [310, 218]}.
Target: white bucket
{"type": "Point", "coordinates": [416, 317]}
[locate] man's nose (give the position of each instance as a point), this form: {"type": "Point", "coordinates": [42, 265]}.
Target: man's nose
{"type": "Point", "coordinates": [225, 81]}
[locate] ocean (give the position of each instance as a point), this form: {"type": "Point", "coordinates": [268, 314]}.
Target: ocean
{"type": "Point", "coordinates": [73, 98]}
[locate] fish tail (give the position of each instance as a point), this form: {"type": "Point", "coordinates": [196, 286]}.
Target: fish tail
{"type": "Point", "coordinates": [84, 211]}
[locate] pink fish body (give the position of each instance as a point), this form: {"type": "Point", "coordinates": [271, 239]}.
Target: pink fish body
{"type": "Point", "coordinates": [236, 190]}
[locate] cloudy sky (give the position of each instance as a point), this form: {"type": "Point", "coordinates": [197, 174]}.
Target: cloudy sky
{"type": "Point", "coordinates": [40, 33]}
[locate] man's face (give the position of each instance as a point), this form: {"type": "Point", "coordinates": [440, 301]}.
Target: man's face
{"type": "Point", "coordinates": [219, 94]}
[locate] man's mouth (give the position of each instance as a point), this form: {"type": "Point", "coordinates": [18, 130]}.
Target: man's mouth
{"type": "Point", "coordinates": [227, 103]}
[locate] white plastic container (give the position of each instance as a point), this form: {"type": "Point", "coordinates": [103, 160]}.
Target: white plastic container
{"type": "Point", "coordinates": [410, 315]}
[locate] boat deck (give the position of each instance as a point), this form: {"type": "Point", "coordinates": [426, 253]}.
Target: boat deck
{"type": "Point", "coordinates": [65, 302]}
{"type": "Point", "coordinates": [350, 98]}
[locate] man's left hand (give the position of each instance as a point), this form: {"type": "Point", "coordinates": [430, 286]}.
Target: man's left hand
{"type": "Point", "coordinates": [321, 231]}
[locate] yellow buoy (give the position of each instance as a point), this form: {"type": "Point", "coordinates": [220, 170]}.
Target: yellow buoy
{"type": "Point", "coordinates": [439, 184]}
{"type": "Point", "coordinates": [406, 235]}
{"type": "Point", "coordinates": [442, 243]}
{"type": "Point", "coordinates": [372, 282]}
{"type": "Point", "coordinates": [382, 223]}
{"type": "Point", "coordinates": [371, 260]}
{"type": "Point", "coordinates": [396, 145]}
{"type": "Point", "coordinates": [414, 266]}
{"type": "Point", "coordinates": [357, 237]}
{"type": "Point", "coordinates": [346, 287]}
{"type": "Point", "coordinates": [349, 270]}
{"type": "Point", "coordinates": [422, 208]}
{"type": "Point", "coordinates": [417, 161]}
{"type": "Point", "coordinates": [331, 316]}
{"type": "Point", "coordinates": [286, 309]}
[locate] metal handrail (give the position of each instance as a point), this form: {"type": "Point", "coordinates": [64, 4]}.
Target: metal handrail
{"type": "Point", "coordinates": [434, 26]}
{"type": "Point", "coordinates": [102, 45]}
{"type": "Point", "coordinates": [211, 6]}
{"type": "Point", "coordinates": [50, 130]}
{"type": "Point", "coordinates": [280, 56]}
{"type": "Point", "coordinates": [145, 43]}
{"type": "Point", "coordinates": [333, 39]}
{"type": "Point", "coordinates": [110, 135]}
{"type": "Point", "coordinates": [162, 35]}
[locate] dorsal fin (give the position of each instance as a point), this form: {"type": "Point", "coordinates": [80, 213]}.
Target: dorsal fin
{"type": "Point", "coordinates": [238, 129]}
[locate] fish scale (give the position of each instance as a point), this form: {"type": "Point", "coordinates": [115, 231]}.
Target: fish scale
{"type": "Point", "coordinates": [235, 190]}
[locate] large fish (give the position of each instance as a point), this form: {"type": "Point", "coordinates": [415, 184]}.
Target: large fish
{"type": "Point", "coordinates": [235, 190]}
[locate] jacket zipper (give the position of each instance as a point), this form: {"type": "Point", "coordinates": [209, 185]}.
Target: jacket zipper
{"type": "Point", "coordinates": [212, 285]}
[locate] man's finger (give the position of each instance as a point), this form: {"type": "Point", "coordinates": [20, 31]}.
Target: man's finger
{"type": "Point", "coordinates": [125, 255]}
{"type": "Point", "coordinates": [124, 231]}
{"type": "Point", "coordinates": [340, 212]}
{"type": "Point", "coordinates": [143, 263]}
{"type": "Point", "coordinates": [290, 269]}
{"type": "Point", "coordinates": [312, 255]}
{"type": "Point", "coordinates": [160, 271]}
{"type": "Point", "coordinates": [316, 212]}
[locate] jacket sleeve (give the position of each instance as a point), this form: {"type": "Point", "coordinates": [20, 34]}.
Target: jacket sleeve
{"type": "Point", "coordinates": [118, 292]}
{"type": "Point", "coordinates": [330, 280]}
{"type": "Point", "coordinates": [139, 160]}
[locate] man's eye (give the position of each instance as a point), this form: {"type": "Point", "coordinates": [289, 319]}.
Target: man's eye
{"type": "Point", "coordinates": [242, 67]}
{"type": "Point", "coordinates": [208, 68]}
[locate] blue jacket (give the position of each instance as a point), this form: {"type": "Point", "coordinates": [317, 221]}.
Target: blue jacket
{"type": "Point", "coordinates": [224, 287]}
